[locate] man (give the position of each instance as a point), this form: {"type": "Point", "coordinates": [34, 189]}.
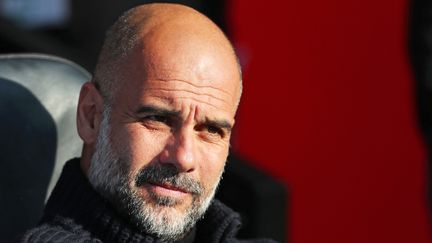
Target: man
{"type": "Point", "coordinates": [156, 121]}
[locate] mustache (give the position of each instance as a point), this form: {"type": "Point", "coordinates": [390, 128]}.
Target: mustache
{"type": "Point", "coordinates": [168, 175]}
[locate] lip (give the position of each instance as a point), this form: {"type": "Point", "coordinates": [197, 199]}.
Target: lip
{"type": "Point", "coordinates": [167, 190]}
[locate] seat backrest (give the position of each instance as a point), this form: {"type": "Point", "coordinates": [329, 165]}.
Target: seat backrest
{"type": "Point", "coordinates": [38, 100]}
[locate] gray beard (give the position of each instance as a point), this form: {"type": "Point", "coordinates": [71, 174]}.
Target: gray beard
{"type": "Point", "coordinates": [110, 175]}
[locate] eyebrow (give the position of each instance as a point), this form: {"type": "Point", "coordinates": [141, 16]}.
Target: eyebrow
{"type": "Point", "coordinates": [150, 109]}
{"type": "Point", "coordinates": [157, 111]}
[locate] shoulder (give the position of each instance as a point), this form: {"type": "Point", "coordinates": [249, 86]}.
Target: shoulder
{"type": "Point", "coordinates": [221, 224]}
{"type": "Point", "coordinates": [57, 231]}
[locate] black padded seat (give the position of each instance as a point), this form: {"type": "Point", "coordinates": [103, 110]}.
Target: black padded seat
{"type": "Point", "coordinates": [38, 100]}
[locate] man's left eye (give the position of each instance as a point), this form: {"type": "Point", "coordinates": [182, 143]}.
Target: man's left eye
{"type": "Point", "coordinates": [210, 131]}
{"type": "Point", "coordinates": [214, 130]}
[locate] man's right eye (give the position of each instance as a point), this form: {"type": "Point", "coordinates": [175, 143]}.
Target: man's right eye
{"type": "Point", "coordinates": [156, 118]}
{"type": "Point", "coordinates": [155, 122]}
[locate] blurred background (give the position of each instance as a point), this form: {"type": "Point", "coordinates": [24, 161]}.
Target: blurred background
{"type": "Point", "coordinates": [336, 106]}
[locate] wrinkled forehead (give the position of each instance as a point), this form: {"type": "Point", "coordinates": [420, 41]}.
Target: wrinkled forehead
{"type": "Point", "coordinates": [202, 67]}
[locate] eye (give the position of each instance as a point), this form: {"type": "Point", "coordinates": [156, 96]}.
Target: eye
{"type": "Point", "coordinates": [156, 121]}
{"type": "Point", "coordinates": [157, 118]}
{"type": "Point", "coordinates": [214, 130]}
{"type": "Point", "coordinates": [211, 132]}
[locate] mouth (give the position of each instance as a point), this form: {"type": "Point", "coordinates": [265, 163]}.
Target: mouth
{"type": "Point", "coordinates": [167, 190]}
{"type": "Point", "coordinates": [166, 182]}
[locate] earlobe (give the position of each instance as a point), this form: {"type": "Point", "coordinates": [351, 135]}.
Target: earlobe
{"type": "Point", "coordinates": [89, 113]}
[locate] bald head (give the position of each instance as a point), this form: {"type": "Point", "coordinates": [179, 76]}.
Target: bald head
{"type": "Point", "coordinates": [155, 31]}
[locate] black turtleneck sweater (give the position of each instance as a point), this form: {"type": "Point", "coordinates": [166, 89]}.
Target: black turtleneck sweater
{"type": "Point", "coordinates": [75, 212]}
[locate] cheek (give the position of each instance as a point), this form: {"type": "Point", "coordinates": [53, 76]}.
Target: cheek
{"type": "Point", "coordinates": [212, 165]}
{"type": "Point", "coordinates": [138, 146]}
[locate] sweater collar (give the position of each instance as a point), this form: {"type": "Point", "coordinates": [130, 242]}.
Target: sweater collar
{"type": "Point", "coordinates": [73, 197]}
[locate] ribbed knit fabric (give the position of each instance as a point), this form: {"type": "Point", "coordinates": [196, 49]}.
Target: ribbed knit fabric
{"type": "Point", "coordinates": [75, 212]}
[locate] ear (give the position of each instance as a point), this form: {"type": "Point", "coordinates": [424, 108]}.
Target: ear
{"type": "Point", "coordinates": [89, 113]}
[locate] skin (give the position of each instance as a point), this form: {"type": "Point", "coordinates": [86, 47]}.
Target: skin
{"type": "Point", "coordinates": [175, 104]}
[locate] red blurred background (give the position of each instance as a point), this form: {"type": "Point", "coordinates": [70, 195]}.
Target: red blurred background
{"type": "Point", "coordinates": [329, 109]}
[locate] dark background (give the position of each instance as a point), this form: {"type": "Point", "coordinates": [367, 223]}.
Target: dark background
{"type": "Point", "coordinates": [79, 34]}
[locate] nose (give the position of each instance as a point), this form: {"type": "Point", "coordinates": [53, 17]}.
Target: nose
{"type": "Point", "coordinates": [181, 151]}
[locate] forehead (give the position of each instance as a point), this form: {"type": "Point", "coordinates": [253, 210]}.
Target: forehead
{"type": "Point", "coordinates": [180, 75]}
